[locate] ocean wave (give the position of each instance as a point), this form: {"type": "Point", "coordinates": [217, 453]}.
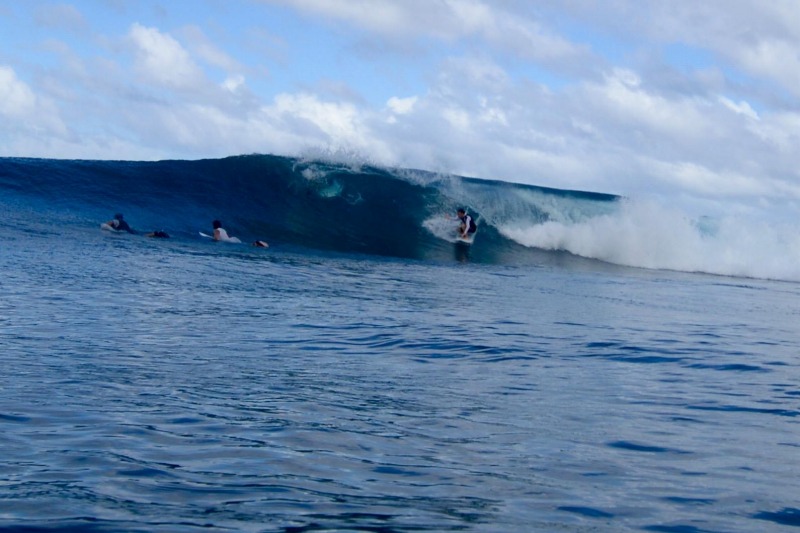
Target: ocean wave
{"type": "Point", "coordinates": [345, 204]}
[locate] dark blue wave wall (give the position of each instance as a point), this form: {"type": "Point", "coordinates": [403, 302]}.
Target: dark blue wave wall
{"type": "Point", "coordinates": [288, 201]}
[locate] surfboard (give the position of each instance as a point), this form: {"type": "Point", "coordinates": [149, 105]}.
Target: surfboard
{"type": "Point", "coordinates": [466, 240]}
{"type": "Point", "coordinates": [106, 227]}
{"type": "Point", "coordinates": [229, 239]}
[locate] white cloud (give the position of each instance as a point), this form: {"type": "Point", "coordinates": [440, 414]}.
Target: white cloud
{"type": "Point", "coordinates": [16, 98]}
{"type": "Point", "coordinates": [23, 111]}
{"type": "Point", "coordinates": [702, 180]}
{"type": "Point", "coordinates": [301, 122]}
{"type": "Point", "coordinates": [742, 108]}
{"type": "Point", "coordinates": [401, 106]}
{"type": "Point", "coordinates": [458, 118]}
{"type": "Point", "coordinates": [759, 39]}
{"type": "Point", "coordinates": [781, 131]}
{"type": "Point", "coordinates": [383, 16]}
{"type": "Point", "coordinates": [447, 20]}
{"type": "Point", "coordinates": [332, 119]}
{"type": "Point", "coordinates": [161, 59]}
{"type": "Point", "coordinates": [209, 52]}
{"type": "Point", "coordinates": [233, 83]}
{"type": "Point", "coordinates": [778, 60]}
{"type": "Point", "coordinates": [631, 105]}
{"type": "Point", "coordinates": [492, 114]}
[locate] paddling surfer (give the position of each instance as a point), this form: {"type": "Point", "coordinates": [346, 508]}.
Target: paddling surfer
{"type": "Point", "coordinates": [118, 223]}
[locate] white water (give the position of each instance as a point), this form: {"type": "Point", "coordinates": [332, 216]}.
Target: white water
{"type": "Point", "coordinates": [649, 235]}
{"type": "Point", "coordinates": [443, 227]}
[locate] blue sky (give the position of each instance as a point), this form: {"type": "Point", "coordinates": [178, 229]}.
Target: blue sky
{"type": "Point", "coordinates": [692, 101]}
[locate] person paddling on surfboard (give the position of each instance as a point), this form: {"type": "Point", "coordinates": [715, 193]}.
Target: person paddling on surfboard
{"type": "Point", "coordinates": [467, 227]}
{"type": "Point", "coordinates": [220, 234]}
{"type": "Point", "coordinates": [118, 223]}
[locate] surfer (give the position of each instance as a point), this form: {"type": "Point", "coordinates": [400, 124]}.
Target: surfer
{"type": "Point", "coordinates": [158, 234]}
{"type": "Point", "coordinates": [467, 227]}
{"type": "Point", "coordinates": [118, 224]}
{"type": "Point", "coordinates": [219, 232]}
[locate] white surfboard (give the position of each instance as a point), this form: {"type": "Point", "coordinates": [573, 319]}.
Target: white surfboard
{"type": "Point", "coordinates": [466, 240]}
{"type": "Point", "coordinates": [106, 227]}
{"type": "Point", "coordinates": [233, 240]}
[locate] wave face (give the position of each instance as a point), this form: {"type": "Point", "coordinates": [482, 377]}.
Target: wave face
{"type": "Point", "coordinates": [350, 207]}
{"type": "Point", "coordinates": [313, 204]}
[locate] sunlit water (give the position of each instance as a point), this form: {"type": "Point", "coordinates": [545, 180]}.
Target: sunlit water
{"type": "Point", "coordinates": [178, 385]}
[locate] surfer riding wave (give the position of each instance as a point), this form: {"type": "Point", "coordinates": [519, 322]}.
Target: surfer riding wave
{"type": "Point", "coordinates": [467, 227]}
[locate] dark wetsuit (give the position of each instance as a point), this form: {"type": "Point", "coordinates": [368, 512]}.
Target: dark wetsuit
{"type": "Point", "coordinates": [469, 223]}
{"type": "Point", "coordinates": [121, 225]}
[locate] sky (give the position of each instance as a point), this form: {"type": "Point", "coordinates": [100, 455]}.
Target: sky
{"type": "Point", "coordinates": [693, 102]}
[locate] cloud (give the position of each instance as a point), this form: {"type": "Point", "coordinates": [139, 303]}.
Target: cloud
{"type": "Point", "coordinates": [61, 16]}
{"type": "Point", "coordinates": [624, 101]}
{"type": "Point", "coordinates": [16, 98]}
{"type": "Point", "coordinates": [162, 60]}
{"type": "Point", "coordinates": [448, 21]}
{"type": "Point", "coordinates": [401, 106]}
{"type": "Point", "coordinates": [778, 60]}
{"type": "Point", "coordinates": [781, 131]}
{"type": "Point", "coordinates": [233, 83]}
{"type": "Point", "coordinates": [618, 134]}
{"type": "Point", "coordinates": [702, 180]}
{"type": "Point", "coordinates": [22, 110]}
{"type": "Point", "coordinates": [209, 52]}
{"type": "Point", "coordinates": [758, 39]}
{"type": "Point", "coordinates": [742, 107]}
{"type": "Point", "coordinates": [333, 120]}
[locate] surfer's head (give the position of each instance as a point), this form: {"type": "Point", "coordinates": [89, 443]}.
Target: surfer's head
{"type": "Point", "coordinates": [216, 224]}
{"type": "Point", "coordinates": [118, 216]}
{"type": "Point", "coordinates": [461, 211]}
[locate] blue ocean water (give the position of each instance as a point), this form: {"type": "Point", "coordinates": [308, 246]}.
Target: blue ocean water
{"type": "Point", "coordinates": [359, 376]}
